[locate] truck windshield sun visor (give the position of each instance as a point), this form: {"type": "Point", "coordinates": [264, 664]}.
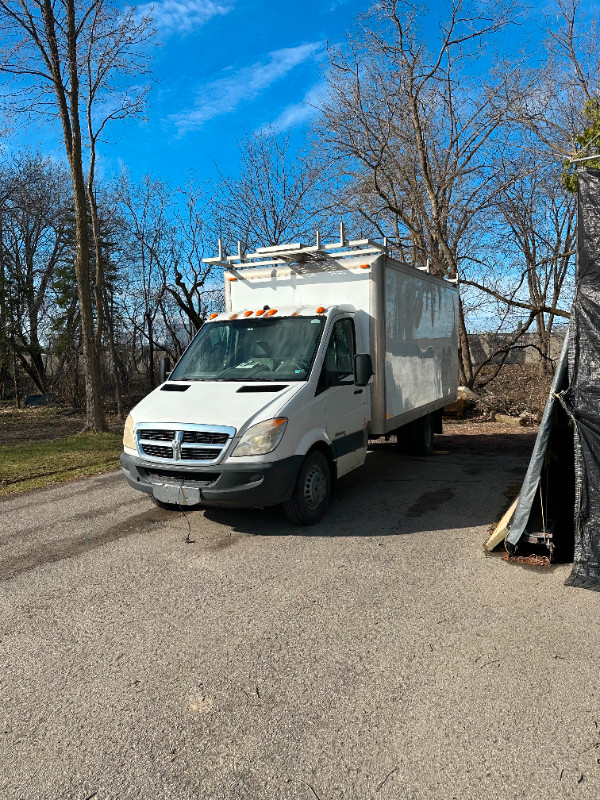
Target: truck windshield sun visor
{"type": "Point", "coordinates": [277, 349]}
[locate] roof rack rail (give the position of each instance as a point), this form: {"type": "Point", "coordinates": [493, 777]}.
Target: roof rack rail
{"type": "Point", "coordinates": [297, 252]}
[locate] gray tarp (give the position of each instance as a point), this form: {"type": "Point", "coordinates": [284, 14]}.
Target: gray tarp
{"type": "Point", "coordinates": [583, 395]}
{"type": "Point", "coordinates": [575, 395]}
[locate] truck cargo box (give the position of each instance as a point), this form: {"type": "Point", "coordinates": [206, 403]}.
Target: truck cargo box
{"type": "Point", "coordinates": [408, 317]}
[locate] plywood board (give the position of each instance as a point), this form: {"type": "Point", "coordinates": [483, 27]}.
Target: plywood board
{"type": "Point", "coordinates": [501, 530]}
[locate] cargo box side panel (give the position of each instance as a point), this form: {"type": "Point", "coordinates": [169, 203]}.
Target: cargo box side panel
{"type": "Point", "coordinates": [421, 358]}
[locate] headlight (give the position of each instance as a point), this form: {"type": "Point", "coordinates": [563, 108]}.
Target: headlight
{"type": "Point", "coordinates": [128, 437]}
{"type": "Point", "coordinates": [261, 438]}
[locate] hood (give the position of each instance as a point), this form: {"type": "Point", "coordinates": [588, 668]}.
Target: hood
{"type": "Point", "coordinates": [214, 403]}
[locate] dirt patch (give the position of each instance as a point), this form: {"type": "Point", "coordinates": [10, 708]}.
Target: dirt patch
{"type": "Point", "coordinates": [516, 388]}
{"type": "Point", "coordinates": [483, 437]}
{"type": "Point", "coordinates": [44, 424]}
{"type": "Point", "coordinates": [530, 560]}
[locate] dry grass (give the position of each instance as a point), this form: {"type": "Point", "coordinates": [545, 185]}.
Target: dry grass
{"type": "Point", "coordinates": [42, 447]}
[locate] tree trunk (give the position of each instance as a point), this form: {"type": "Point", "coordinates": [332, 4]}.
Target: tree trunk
{"type": "Point", "coordinates": [68, 104]}
{"type": "Point", "coordinates": [32, 371]}
{"type": "Point", "coordinates": [15, 374]}
{"type": "Point", "coordinates": [99, 282]}
{"type": "Point", "coordinates": [93, 404]}
{"type": "Point", "coordinates": [151, 377]}
{"type": "Point", "coordinates": [113, 357]}
{"type": "Point", "coordinates": [465, 363]}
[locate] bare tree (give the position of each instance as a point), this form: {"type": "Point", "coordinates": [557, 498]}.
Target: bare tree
{"type": "Point", "coordinates": [168, 230]}
{"type": "Point", "coordinates": [413, 128]}
{"type": "Point", "coordinates": [33, 241]}
{"type": "Point", "coordinates": [535, 236]}
{"type": "Point", "coordinates": [47, 48]}
{"type": "Point", "coordinates": [187, 279]}
{"type": "Point", "coordinates": [107, 101]}
{"type": "Point", "coordinates": [145, 209]}
{"type": "Point", "coordinates": [548, 95]}
{"type": "Point", "coordinates": [276, 197]}
{"type": "Point", "coordinates": [552, 108]}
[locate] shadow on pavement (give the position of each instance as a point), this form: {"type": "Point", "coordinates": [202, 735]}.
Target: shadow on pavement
{"type": "Point", "coordinates": [393, 495]}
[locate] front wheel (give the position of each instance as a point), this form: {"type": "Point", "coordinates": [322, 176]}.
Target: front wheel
{"type": "Point", "coordinates": [310, 497]}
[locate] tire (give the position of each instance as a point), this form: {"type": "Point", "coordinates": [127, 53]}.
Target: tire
{"type": "Point", "coordinates": [416, 438]}
{"type": "Point", "coordinates": [310, 497]}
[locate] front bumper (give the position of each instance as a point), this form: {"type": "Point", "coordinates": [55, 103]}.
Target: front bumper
{"type": "Point", "coordinates": [227, 485]}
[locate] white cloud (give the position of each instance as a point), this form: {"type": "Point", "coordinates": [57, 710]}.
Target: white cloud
{"type": "Point", "coordinates": [182, 16]}
{"type": "Point", "coordinates": [242, 86]}
{"type": "Point", "coordinates": [299, 113]}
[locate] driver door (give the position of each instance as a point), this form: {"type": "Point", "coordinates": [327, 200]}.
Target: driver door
{"type": "Point", "coordinates": [345, 403]}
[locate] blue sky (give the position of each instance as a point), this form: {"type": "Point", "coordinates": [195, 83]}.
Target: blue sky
{"type": "Point", "coordinates": [226, 68]}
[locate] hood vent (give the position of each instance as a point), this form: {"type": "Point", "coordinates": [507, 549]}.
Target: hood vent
{"type": "Point", "coordinates": [274, 387]}
{"type": "Point", "coordinates": [174, 387]}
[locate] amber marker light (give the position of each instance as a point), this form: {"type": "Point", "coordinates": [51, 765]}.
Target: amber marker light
{"type": "Point", "coordinates": [260, 312]}
{"type": "Point", "coordinates": [362, 266]}
{"type": "Point", "coordinates": [247, 313]}
{"type": "Point", "coordinates": [233, 316]}
{"type": "Point", "coordinates": [212, 316]}
{"type": "Point", "coordinates": [321, 309]}
{"type": "Point", "coordinates": [233, 279]}
{"type": "Point", "coordinates": [271, 312]}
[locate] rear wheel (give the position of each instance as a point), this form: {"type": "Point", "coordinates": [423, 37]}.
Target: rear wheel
{"type": "Point", "coordinates": [310, 497]}
{"type": "Point", "coordinates": [416, 438]}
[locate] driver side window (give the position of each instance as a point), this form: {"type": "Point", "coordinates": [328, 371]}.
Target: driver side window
{"type": "Point", "coordinates": [339, 357]}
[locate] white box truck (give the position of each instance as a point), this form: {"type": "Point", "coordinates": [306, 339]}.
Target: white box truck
{"type": "Point", "coordinates": [319, 349]}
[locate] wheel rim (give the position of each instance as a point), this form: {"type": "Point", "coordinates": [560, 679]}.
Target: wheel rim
{"type": "Point", "coordinates": [315, 487]}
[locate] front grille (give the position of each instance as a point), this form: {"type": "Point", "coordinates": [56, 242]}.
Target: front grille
{"type": "Point", "coordinates": [198, 444]}
{"type": "Point", "coordinates": [204, 437]}
{"type": "Point", "coordinates": [200, 453]}
{"type": "Point", "coordinates": [155, 451]}
{"type": "Point", "coordinates": [156, 435]}
{"type": "Point", "coordinates": [179, 476]}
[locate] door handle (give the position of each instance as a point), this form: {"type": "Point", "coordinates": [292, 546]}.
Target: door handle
{"type": "Point", "coordinates": [358, 391]}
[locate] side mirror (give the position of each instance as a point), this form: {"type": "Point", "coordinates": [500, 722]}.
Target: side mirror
{"type": "Point", "coordinates": [363, 369]}
{"type": "Point", "coordinates": [164, 368]}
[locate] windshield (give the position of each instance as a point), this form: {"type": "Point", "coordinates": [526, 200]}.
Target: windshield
{"type": "Point", "coordinates": [274, 349]}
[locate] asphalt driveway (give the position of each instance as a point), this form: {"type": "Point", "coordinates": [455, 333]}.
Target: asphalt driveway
{"type": "Point", "coordinates": [379, 654]}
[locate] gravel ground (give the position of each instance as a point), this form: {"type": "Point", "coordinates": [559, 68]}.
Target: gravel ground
{"type": "Point", "coordinates": [379, 654]}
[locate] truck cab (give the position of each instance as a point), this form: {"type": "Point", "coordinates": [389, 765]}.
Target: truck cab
{"type": "Point", "coordinates": [267, 406]}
